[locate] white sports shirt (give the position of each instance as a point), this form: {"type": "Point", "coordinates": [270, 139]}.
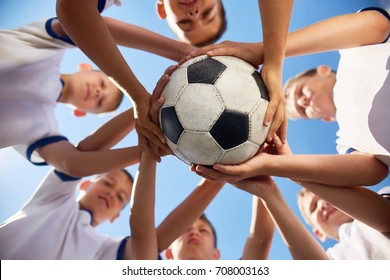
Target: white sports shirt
{"type": "Point", "coordinates": [51, 226]}
{"type": "Point", "coordinates": [361, 242]}
{"type": "Point", "coordinates": [362, 99]}
{"type": "Point", "coordinates": [30, 60]}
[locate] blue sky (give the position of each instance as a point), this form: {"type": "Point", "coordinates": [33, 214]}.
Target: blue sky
{"type": "Point", "coordinates": [230, 211]}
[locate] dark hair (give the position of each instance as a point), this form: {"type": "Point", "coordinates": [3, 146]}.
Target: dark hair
{"type": "Point", "coordinates": [220, 32]}
{"type": "Point", "coordinates": [207, 221]}
{"type": "Point", "coordinates": [120, 100]}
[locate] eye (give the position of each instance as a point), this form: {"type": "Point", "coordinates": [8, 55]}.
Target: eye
{"type": "Point", "coordinates": [207, 12]}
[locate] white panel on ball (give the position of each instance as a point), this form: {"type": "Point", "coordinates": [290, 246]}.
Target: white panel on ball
{"type": "Point", "coordinates": [198, 107]}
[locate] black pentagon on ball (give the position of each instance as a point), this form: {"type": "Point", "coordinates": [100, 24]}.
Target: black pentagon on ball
{"type": "Point", "coordinates": [231, 129]}
{"type": "Point", "coordinates": [205, 71]}
{"type": "Point", "coordinates": [261, 85]}
{"type": "Point", "coordinates": [171, 125]}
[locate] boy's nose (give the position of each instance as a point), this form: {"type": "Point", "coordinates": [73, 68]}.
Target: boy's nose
{"type": "Point", "coordinates": [303, 101]}
{"type": "Point", "coordinates": [193, 12]}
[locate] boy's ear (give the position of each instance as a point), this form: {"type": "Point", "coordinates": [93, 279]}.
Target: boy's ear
{"type": "Point", "coordinates": [217, 254]}
{"type": "Point", "coordinates": [160, 9]}
{"type": "Point", "coordinates": [78, 113]}
{"type": "Point", "coordinates": [112, 219]}
{"type": "Point", "coordinates": [168, 253]}
{"type": "Point", "coordinates": [319, 235]}
{"type": "Point", "coordinates": [329, 119]}
{"type": "Point", "coordinates": [324, 70]}
{"type": "Point", "coordinates": [84, 185]}
{"type": "Point", "coordinates": [84, 66]}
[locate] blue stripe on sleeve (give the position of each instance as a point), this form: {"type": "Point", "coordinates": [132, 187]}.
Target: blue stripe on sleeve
{"type": "Point", "coordinates": [50, 31]}
{"type": "Point", "coordinates": [41, 143]}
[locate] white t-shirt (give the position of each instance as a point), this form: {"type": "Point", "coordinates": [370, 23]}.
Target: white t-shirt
{"type": "Point", "coordinates": [51, 226]}
{"type": "Point", "coordinates": [361, 242]}
{"type": "Point", "coordinates": [362, 99]}
{"type": "Point", "coordinates": [30, 84]}
{"type": "Point", "coordinates": [30, 58]}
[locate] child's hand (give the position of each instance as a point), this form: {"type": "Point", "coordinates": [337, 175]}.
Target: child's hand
{"type": "Point", "coordinates": [260, 186]}
{"type": "Point", "coordinates": [250, 52]}
{"type": "Point", "coordinates": [276, 112]}
{"type": "Point", "coordinates": [277, 147]}
{"type": "Point", "coordinates": [156, 102]}
{"type": "Point", "coordinates": [234, 173]}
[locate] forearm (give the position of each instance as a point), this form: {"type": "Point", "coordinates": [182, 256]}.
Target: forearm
{"type": "Point", "coordinates": [299, 240]}
{"type": "Point", "coordinates": [110, 133]}
{"type": "Point", "coordinates": [84, 25]}
{"type": "Point", "coordinates": [360, 203]}
{"type": "Point", "coordinates": [80, 164]}
{"type": "Point", "coordinates": [258, 244]}
{"type": "Point", "coordinates": [136, 37]}
{"type": "Point", "coordinates": [340, 32]}
{"type": "Point", "coordinates": [143, 234]}
{"type": "Point", "coordinates": [275, 29]}
{"type": "Point", "coordinates": [334, 170]}
{"type": "Point", "coordinates": [184, 215]}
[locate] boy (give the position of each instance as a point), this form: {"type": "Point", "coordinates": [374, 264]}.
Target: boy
{"type": "Point", "coordinates": [362, 128]}
{"type": "Point", "coordinates": [199, 23]}
{"type": "Point", "coordinates": [53, 225]}
{"type": "Point", "coordinates": [32, 54]}
{"type": "Point", "coordinates": [361, 221]}
{"type": "Point", "coordinates": [78, 18]}
{"type": "Point", "coordinates": [199, 241]}
{"type": "Point", "coordinates": [60, 227]}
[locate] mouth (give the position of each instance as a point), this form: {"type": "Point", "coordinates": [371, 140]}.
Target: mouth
{"type": "Point", "coordinates": [193, 241]}
{"type": "Point", "coordinates": [104, 201]}
{"type": "Point", "coordinates": [187, 3]}
{"type": "Point", "coordinates": [329, 212]}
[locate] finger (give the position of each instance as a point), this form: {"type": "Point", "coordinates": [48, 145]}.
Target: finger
{"type": "Point", "coordinates": [226, 169]}
{"type": "Point", "coordinates": [155, 109]}
{"type": "Point", "coordinates": [171, 69]}
{"type": "Point", "coordinates": [152, 137]}
{"type": "Point", "coordinates": [160, 85]}
{"type": "Point", "coordinates": [283, 129]}
{"type": "Point", "coordinates": [277, 121]}
{"type": "Point", "coordinates": [212, 173]}
{"type": "Point", "coordinates": [143, 143]}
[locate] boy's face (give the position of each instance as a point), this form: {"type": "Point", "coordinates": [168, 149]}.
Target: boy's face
{"type": "Point", "coordinates": [197, 243]}
{"type": "Point", "coordinates": [312, 96]}
{"type": "Point", "coordinates": [106, 197]}
{"type": "Point", "coordinates": [323, 216]}
{"type": "Point", "coordinates": [91, 91]}
{"type": "Point", "coordinates": [193, 21]}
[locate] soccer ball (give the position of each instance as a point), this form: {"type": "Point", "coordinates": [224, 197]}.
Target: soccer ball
{"type": "Point", "coordinates": [213, 111]}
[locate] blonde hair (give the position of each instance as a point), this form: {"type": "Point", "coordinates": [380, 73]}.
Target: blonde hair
{"type": "Point", "coordinates": [301, 195]}
{"type": "Point", "coordinates": [291, 109]}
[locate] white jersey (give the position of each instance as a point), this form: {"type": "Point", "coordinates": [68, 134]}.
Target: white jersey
{"type": "Point", "coordinates": [361, 242]}
{"type": "Point", "coordinates": [30, 84]}
{"type": "Point", "coordinates": [362, 99]}
{"type": "Point", "coordinates": [51, 226]}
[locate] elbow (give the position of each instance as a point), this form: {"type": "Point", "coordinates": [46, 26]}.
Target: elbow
{"type": "Point", "coordinates": [380, 26]}
{"type": "Point", "coordinates": [70, 167]}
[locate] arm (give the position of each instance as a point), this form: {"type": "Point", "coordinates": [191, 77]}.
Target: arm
{"type": "Point", "coordinates": [136, 37]}
{"type": "Point", "coordinates": [275, 29]}
{"type": "Point", "coordinates": [298, 239]}
{"type": "Point", "coordinates": [78, 18]}
{"type": "Point", "coordinates": [340, 32]}
{"type": "Point", "coordinates": [110, 133]}
{"type": "Point", "coordinates": [68, 159]}
{"type": "Point", "coordinates": [184, 215]}
{"type": "Point", "coordinates": [258, 243]}
{"type": "Point", "coordinates": [360, 203]}
{"type": "Point", "coordinates": [335, 170]}
{"type": "Point", "coordinates": [142, 244]}
{"type": "Point", "coordinates": [336, 33]}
